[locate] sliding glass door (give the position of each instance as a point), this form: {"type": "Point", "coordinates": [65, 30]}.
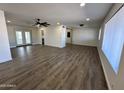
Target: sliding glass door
{"type": "Point", "coordinates": [19, 37]}
{"type": "Point", "coordinates": [23, 37]}
{"type": "Point", "coordinates": [28, 37]}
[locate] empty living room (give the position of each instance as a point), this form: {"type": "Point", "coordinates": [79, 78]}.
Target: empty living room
{"type": "Point", "coordinates": [61, 46]}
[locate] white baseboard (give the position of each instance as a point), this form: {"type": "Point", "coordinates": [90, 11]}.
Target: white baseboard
{"type": "Point", "coordinates": [55, 46]}
{"type": "Point", "coordinates": [3, 61]}
{"type": "Point", "coordinates": [36, 43]}
{"type": "Point", "coordinates": [12, 46]}
{"type": "Point", "coordinates": [106, 77]}
{"type": "Point", "coordinates": [85, 44]}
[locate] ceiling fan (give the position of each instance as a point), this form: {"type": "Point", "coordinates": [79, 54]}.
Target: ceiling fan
{"type": "Point", "coordinates": [40, 24]}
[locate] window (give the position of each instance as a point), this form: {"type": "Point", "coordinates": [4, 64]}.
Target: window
{"type": "Point", "coordinates": [113, 40]}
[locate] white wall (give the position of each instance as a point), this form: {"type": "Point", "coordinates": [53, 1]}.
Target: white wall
{"type": "Point", "coordinates": [114, 81]}
{"type": "Point", "coordinates": [11, 34]}
{"type": "Point", "coordinates": [36, 36]}
{"type": "Point", "coordinates": [5, 54]}
{"type": "Point", "coordinates": [85, 36]}
{"type": "Point", "coordinates": [63, 36]}
{"type": "Point", "coordinates": [55, 36]}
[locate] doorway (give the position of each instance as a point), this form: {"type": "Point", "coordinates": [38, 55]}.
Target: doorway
{"type": "Point", "coordinates": [69, 36]}
{"type": "Point", "coordinates": [43, 40]}
{"type": "Point", "coordinates": [23, 38]}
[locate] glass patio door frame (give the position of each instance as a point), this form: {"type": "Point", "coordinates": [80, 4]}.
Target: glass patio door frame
{"type": "Point", "coordinates": [26, 41]}
{"type": "Point", "coordinates": [23, 38]}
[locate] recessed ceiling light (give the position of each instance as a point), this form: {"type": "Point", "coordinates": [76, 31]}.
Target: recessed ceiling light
{"type": "Point", "coordinates": [8, 21]}
{"type": "Point", "coordinates": [58, 23]}
{"type": "Point", "coordinates": [82, 4]}
{"type": "Point", "coordinates": [88, 19]}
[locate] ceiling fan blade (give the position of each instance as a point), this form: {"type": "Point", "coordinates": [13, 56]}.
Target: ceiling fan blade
{"type": "Point", "coordinates": [44, 24]}
{"type": "Point", "coordinates": [47, 24]}
{"type": "Point", "coordinates": [37, 22]}
{"type": "Point", "coordinates": [34, 24]}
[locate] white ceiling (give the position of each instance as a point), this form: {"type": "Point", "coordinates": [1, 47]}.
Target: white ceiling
{"type": "Point", "coordinates": [70, 14]}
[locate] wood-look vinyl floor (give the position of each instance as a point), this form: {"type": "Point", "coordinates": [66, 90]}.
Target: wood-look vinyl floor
{"type": "Point", "coordinates": [44, 67]}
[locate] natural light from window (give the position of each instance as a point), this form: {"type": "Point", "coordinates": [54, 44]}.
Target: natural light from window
{"type": "Point", "coordinates": [113, 41]}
